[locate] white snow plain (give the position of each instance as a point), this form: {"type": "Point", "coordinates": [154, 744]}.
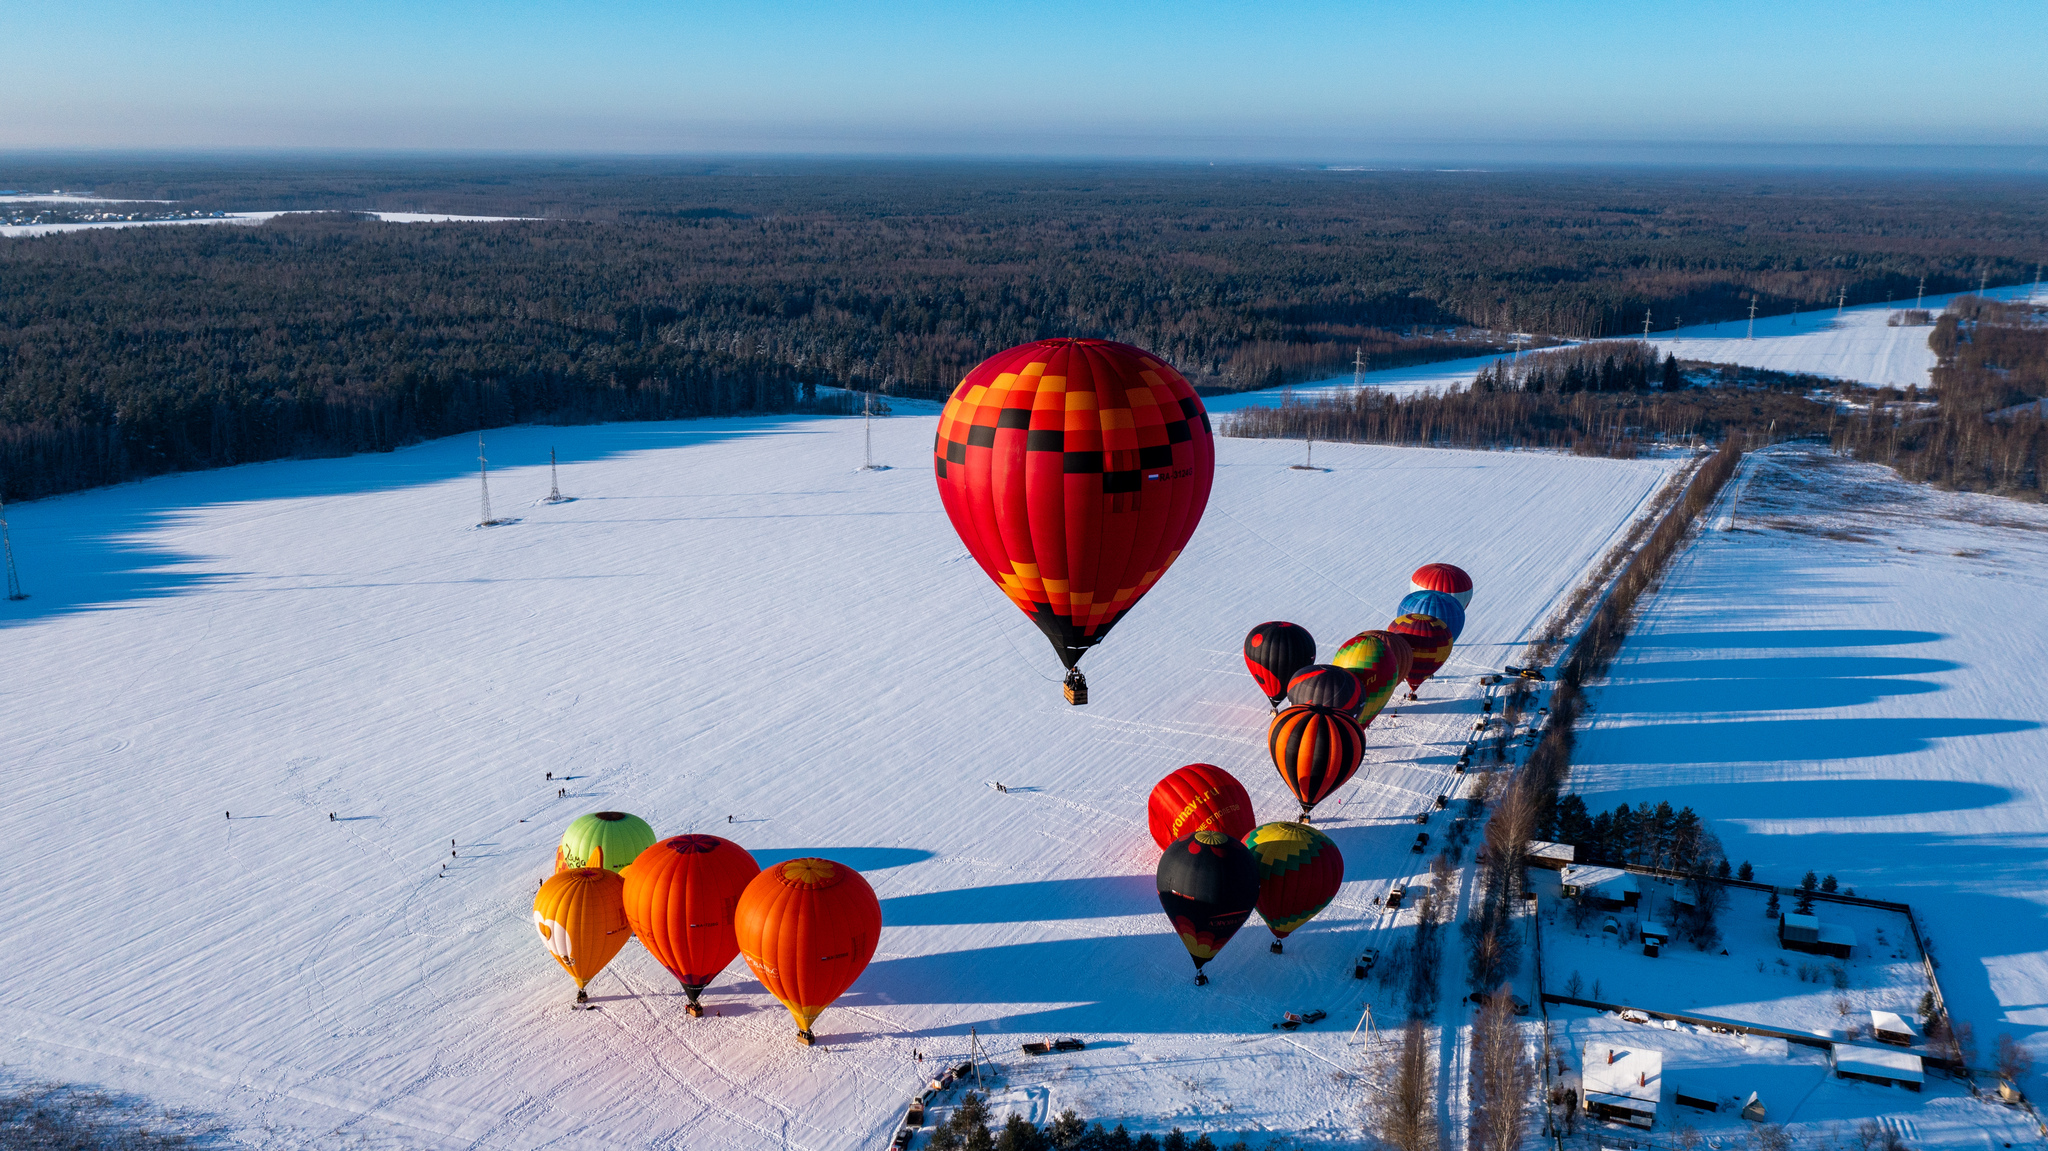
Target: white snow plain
{"type": "Point", "coordinates": [728, 621]}
{"type": "Point", "coordinates": [1839, 676]}
{"type": "Point", "coordinates": [245, 218]}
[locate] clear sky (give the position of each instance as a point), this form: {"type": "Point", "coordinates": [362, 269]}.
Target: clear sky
{"type": "Point", "coordinates": [1191, 78]}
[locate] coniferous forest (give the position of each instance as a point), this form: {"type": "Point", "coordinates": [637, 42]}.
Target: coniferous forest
{"type": "Point", "coordinates": [670, 289]}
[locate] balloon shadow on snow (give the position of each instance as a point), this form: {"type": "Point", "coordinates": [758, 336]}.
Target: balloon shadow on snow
{"type": "Point", "coordinates": [1822, 798]}
{"type": "Point", "coordinates": [1785, 668]}
{"type": "Point", "coordinates": [858, 858]}
{"type": "Point", "coordinates": [1681, 696]}
{"type": "Point", "coordinates": [1786, 637]}
{"type": "Point", "coordinates": [1778, 740]}
{"type": "Point", "coordinates": [1102, 897]}
{"type": "Point", "coordinates": [92, 550]}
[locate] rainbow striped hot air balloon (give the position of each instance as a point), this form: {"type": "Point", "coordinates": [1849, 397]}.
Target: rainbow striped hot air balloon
{"type": "Point", "coordinates": [1300, 870]}
{"type": "Point", "coordinates": [1431, 640]}
{"type": "Point", "coordinates": [1373, 658]}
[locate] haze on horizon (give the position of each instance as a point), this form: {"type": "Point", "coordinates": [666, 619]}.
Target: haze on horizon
{"type": "Point", "coordinates": [1319, 81]}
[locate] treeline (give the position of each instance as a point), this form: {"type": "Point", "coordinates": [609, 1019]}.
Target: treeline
{"type": "Point", "coordinates": [1985, 431]}
{"type": "Point", "coordinates": [1599, 366]}
{"type": "Point", "coordinates": [665, 289]}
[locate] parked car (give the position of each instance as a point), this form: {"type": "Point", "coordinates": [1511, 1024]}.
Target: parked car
{"type": "Point", "coordinates": [1421, 841]}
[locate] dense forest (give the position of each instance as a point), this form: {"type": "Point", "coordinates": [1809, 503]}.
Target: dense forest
{"type": "Point", "coordinates": [666, 289]}
{"type": "Point", "coordinates": [1984, 429]}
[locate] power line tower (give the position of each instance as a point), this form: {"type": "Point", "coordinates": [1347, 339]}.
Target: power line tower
{"type": "Point", "coordinates": [867, 431]}
{"type": "Point", "coordinates": [1920, 293]}
{"type": "Point", "coordinates": [1752, 319]}
{"type": "Point", "coordinates": [1842, 300]}
{"type": "Point", "coordinates": [1646, 323]}
{"type": "Point", "coordinates": [483, 474]}
{"type": "Point", "coordinates": [555, 495]}
{"type": "Point", "coordinates": [1358, 368]}
{"type": "Point", "coordinates": [7, 546]}
{"type": "Point", "coordinates": [1983, 278]}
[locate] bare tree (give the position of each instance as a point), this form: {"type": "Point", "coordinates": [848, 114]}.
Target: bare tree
{"type": "Point", "coordinates": [1503, 1080]}
{"type": "Point", "coordinates": [2014, 1060]}
{"type": "Point", "coordinates": [1403, 1114]}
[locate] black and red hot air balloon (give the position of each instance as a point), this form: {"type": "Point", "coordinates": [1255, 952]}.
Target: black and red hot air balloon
{"type": "Point", "coordinates": [1208, 885]}
{"type": "Point", "coordinates": [1274, 651]}
{"type": "Point", "coordinates": [1327, 685]}
{"type": "Point", "coordinates": [1075, 471]}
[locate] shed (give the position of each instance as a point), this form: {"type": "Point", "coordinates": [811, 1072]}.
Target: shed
{"type": "Point", "coordinates": [1555, 856]}
{"type": "Point", "coordinates": [1655, 932]}
{"type": "Point", "coordinates": [1603, 885]}
{"type": "Point", "coordinates": [1753, 1108]}
{"type": "Point", "coordinates": [1877, 1065]}
{"type": "Point", "coordinates": [1809, 934]}
{"type": "Point", "coordinates": [1622, 1083]}
{"type": "Point", "coordinates": [1699, 1100]}
{"type": "Point", "coordinates": [1891, 1027]}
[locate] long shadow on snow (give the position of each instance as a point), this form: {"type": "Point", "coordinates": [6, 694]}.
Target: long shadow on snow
{"type": "Point", "coordinates": [1097, 898]}
{"type": "Point", "coordinates": [88, 550]}
{"type": "Point", "coordinates": [1786, 637]}
{"type": "Point", "coordinates": [1786, 667]}
{"type": "Point", "coordinates": [1777, 740]}
{"type": "Point", "coordinates": [1822, 798]}
{"type": "Point", "coordinates": [858, 858]}
{"type": "Point", "coordinates": [1789, 694]}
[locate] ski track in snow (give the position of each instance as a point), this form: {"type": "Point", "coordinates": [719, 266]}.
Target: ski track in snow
{"type": "Point", "coordinates": [726, 621]}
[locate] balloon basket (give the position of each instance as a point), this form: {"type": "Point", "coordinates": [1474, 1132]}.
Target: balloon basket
{"type": "Point", "coordinates": [1201, 980]}
{"type": "Point", "coordinates": [1275, 949]}
{"type": "Point", "coordinates": [582, 996]}
{"type": "Point", "coordinates": [1075, 687]}
{"type": "Point", "coordinates": [696, 1010]}
{"type": "Point", "coordinates": [807, 1039]}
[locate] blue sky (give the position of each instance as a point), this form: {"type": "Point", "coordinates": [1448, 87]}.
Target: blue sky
{"type": "Point", "coordinates": [1189, 79]}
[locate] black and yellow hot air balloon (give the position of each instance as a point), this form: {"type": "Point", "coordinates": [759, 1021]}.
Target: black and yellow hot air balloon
{"type": "Point", "coordinates": [1208, 885]}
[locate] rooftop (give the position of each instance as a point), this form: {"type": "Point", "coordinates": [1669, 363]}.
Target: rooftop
{"type": "Point", "coordinates": [1903, 1066]}
{"type": "Point", "coordinates": [1623, 1074]}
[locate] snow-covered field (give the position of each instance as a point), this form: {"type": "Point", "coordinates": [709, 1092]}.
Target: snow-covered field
{"type": "Point", "coordinates": [244, 218]}
{"type": "Point", "coordinates": [729, 622]}
{"type": "Point", "coordinates": [1840, 676]}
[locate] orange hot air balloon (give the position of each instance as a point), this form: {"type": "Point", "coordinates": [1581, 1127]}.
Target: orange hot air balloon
{"type": "Point", "coordinates": [1316, 750]}
{"type": "Point", "coordinates": [581, 915]}
{"type": "Point", "coordinates": [1198, 797]}
{"type": "Point", "coordinates": [1431, 639]}
{"type": "Point", "coordinates": [807, 929]}
{"type": "Point", "coordinates": [680, 898]}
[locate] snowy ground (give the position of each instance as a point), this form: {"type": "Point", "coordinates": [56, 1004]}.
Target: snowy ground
{"type": "Point", "coordinates": [1858, 346]}
{"type": "Point", "coordinates": [1756, 982]}
{"type": "Point", "coordinates": [728, 621]}
{"type": "Point", "coordinates": [1793, 1082]}
{"type": "Point", "coordinates": [1840, 676]}
{"type": "Point", "coordinates": [245, 218]}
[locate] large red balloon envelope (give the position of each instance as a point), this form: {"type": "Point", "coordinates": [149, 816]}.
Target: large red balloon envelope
{"type": "Point", "coordinates": [1199, 797]}
{"type": "Point", "coordinates": [1430, 638]}
{"type": "Point", "coordinates": [808, 928]}
{"type": "Point", "coordinates": [1300, 870]}
{"type": "Point", "coordinates": [1316, 751]}
{"type": "Point", "coordinates": [681, 895]}
{"type": "Point", "coordinates": [1274, 651]}
{"type": "Point", "coordinates": [1075, 471]}
{"type": "Point", "coordinates": [1208, 885]}
{"type": "Point", "coordinates": [1446, 578]}
{"type": "Point", "coordinates": [1327, 685]}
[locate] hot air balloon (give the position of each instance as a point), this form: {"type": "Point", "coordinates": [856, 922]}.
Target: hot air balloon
{"type": "Point", "coordinates": [1316, 751]}
{"type": "Point", "coordinates": [1198, 797]}
{"type": "Point", "coordinates": [1403, 650]}
{"type": "Point", "coordinates": [1274, 652]}
{"type": "Point", "coordinates": [581, 916]}
{"type": "Point", "coordinates": [680, 896]}
{"type": "Point", "coordinates": [1300, 870]}
{"type": "Point", "coordinates": [607, 839]}
{"type": "Point", "coordinates": [1208, 884]}
{"type": "Point", "coordinates": [1371, 656]}
{"type": "Point", "coordinates": [1075, 471]}
{"type": "Point", "coordinates": [1438, 604]}
{"type": "Point", "coordinates": [1430, 638]}
{"type": "Point", "coordinates": [1446, 578]}
{"type": "Point", "coordinates": [807, 929]}
{"type": "Point", "coordinates": [1326, 685]}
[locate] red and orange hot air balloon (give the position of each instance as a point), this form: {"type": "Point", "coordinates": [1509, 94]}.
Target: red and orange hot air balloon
{"type": "Point", "coordinates": [807, 929]}
{"type": "Point", "coordinates": [1316, 751]}
{"type": "Point", "coordinates": [1430, 638]}
{"type": "Point", "coordinates": [681, 896]}
{"type": "Point", "coordinates": [1198, 797]}
{"type": "Point", "coordinates": [1075, 471]}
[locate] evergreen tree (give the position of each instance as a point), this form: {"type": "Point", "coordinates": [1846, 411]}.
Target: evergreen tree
{"type": "Point", "coordinates": [1721, 869]}
{"type": "Point", "coordinates": [1810, 882]}
{"type": "Point", "coordinates": [1771, 908]}
{"type": "Point", "coordinates": [1745, 873]}
{"type": "Point", "coordinates": [1828, 884]}
{"type": "Point", "coordinates": [1673, 378]}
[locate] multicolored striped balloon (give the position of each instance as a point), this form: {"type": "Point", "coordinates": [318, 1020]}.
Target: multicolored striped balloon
{"type": "Point", "coordinates": [1300, 870]}
{"type": "Point", "coordinates": [1431, 640]}
{"type": "Point", "coordinates": [1326, 685]}
{"type": "Point", "coordinates": [1373, 657]}
{"type": "Point", "coordinates": [1316, 750]}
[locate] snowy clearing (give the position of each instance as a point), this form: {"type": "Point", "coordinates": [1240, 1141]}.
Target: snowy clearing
{"type": "Point", "coordinates": [1840, 677]}
{"type": "Point", "coordinates": [728, 621]}
{"type": "Point", "coordinates": [248, 218]}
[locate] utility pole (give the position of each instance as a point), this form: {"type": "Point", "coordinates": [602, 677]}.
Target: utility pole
{"type": "Point", "coordinates": [1752, 319]}
{"type": "Point", "coordinates": [7, 545]}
